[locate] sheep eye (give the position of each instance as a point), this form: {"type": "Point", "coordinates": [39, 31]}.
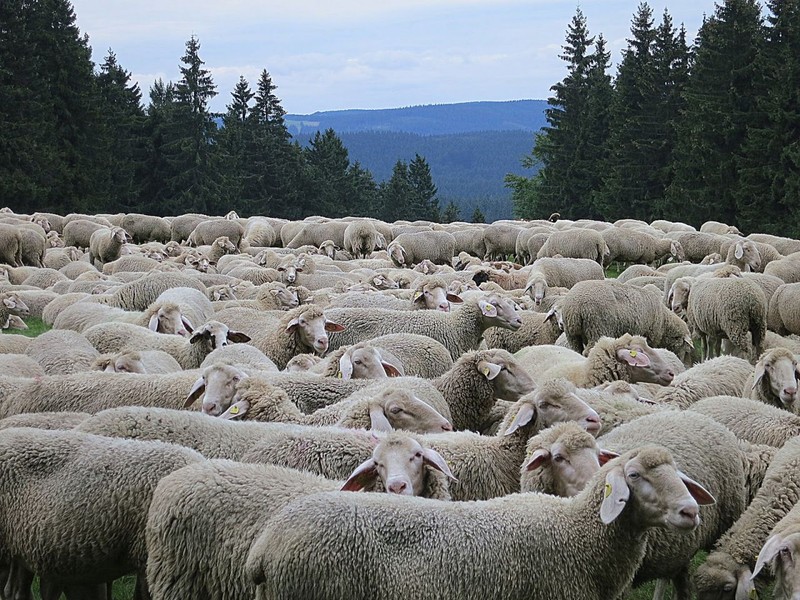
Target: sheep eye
{"type": "Point", "coordinates": [634, 475]}
{"type": "Point", "coordinates": [395, 409]}
{"type": "Point", "coordinates": [418, 454]}
{"type": "Point", "coordinates": [357, 362]}
{"type": "Point", "coordinates": [558, 458]}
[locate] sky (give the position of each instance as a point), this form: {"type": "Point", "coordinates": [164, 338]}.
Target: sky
{"type": "Point", "coordinates": [343, 54]}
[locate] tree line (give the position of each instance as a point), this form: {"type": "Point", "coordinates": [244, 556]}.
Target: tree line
{"type": "Point", "coordinates": [710, 131]}
{"type": "Point", "coordinates": [75, 138]}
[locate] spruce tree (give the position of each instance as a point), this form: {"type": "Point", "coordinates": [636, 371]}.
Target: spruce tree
{"type": "Point", "coordinates": [720, 107]}
{"type": "Point", "coordinates": [397, 194]}
{"type": "Point", "coordinates": [477, 216]}
{"type": "Point", "coordinates": [424, 204]}
{"type": "Point", "coordinates": [156, 197]}
{"type": "Point", "coordinates": [234, 143]}
{"type": "Point", "coordinates": [327, 170]}
{"type": "Point", "coordinates": [451, 213]}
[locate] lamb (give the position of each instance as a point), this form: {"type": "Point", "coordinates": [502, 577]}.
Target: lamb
{"type": "Point", "coordinates": [751, 420]}
{"type": "Point", "coordinates": [559, 272]}
{"type": "Point", "coordinates": [780, 551]}
{"type": "Point", "coordinates": [336, 518]}
{"type": "Point", "coordinates": [190, 353]}
{"type": "Point", "coordinates": [734, 308]}
{"type": "Point", "coordinates": [774, 380]}
{"type": "Point", "coordinates": [392, 408]}
{"type": "Point", "coordinates": [360, 238]}
{"type": "Point", "coordinates": [627, 358]}
{"type": "Point", "coordinates": [105, 245]}
{"type": "Point", "coordinates": [726, 573]}
{"type": "Point", "coordinates": [147, 361]}
{"type": "Point", "coordinates": [112, 477]}
{"type": "Point", "coordinates": [61, 352]}
{"type": "Point", "coordinates": [721, 375]}
{"type": "Point", "coordinates": [592, 309]}
{"type": "Point", "coordinates": [692, 440]}
{"type": "Point", "coordinates": [408, 249]}
{"type": "Point", "coordinates": [576, 243]}
{"type": "Point", "coordinates": [198, 512]}
{"type": "Point", "coordinates": [459, 331]}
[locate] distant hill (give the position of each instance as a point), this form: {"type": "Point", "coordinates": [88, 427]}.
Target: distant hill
{"type": "Point", "coordinates": [470, 147]}
{"type": "Point", "coordinates": [431, 119]}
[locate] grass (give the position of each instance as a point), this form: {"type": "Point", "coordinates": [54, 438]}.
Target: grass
{"type": "Point", "coordinates": [35, 327]}
{"type": "Point", "coordinates": [123, 589]}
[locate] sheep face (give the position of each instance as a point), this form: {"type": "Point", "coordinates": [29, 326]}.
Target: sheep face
{"type": "Point", "coordinates": [288, 270]}
{"type": "Point", "coordinates": [54, 240]}
{"type": "Point", "coordinates": [365, 362]}
{"type": "Point", "coordinates": [779, 366]}
{"type": "Point", "coordinates": [328, 248]}
{"type": "Point", "coordinates": [218, 386]}
{"type": "Point", "coordinates": [285, 298]}
{"type": "Point", "coordinates": [645, 365]}
{"type": "Point", "coordinates": [498, 311]}
{"type": "Point", "coordinates": [435, 297]}
{"type": "Point", "coordinates": [555, 402]}
{"type": "Point", "coordinates": [169, 320]}
{"type": "Point", "coordinates": [509, 380]}
{"type": "Point", "coordinates": [128, 363]}
{"type": "Point", "coordinates": [400, 463]}
{"type": "Point", "coordinates": [721, 577]}
{"type": "Point", "coordinates": [217, 335]}
{"type": "Point", "coordinates": [395, 408]}
{"type": "Point", "coordinates": [311, 329]}
{"type": "Point", "coordinates": [782, 551]}
{"type": "Point", "coordinates": [746, 252]}
{"type": "Point", "coordinates": [537, 289]}
{"type": "Point", "coordinates": [301, 363]}
{"type": "Point", "coordinates": [14, 305]}
{"type": "Point", "coordinates": [224, 245]}
{"type": "Point", "coordinates": [678, 296]}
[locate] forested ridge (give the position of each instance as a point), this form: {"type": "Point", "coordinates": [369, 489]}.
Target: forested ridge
{"type": "Point", "coordinates": [686, 131]}
{"type": "Point", "coordinates": [689, 133]}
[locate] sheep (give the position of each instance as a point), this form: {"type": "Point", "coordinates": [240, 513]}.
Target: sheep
{"type": "Point", "coordinates": [706, 451]}
{"type": "Point", "coordinates": [142, 292]}
{"type": "Point", "coordinates": [36, 300]}
{"type": "Point", "coordinates": [194, 305]}
{"type": "Point", "coordinates": [780, 551]}
{"type": "Point", "coordinates": [62, 352]}
{"type": "Point", "coordinates": [726, 573]}
{"type": "Point", "coordinates": [203, 519]}
{"type": "Point", "coordinates": [44, 278]}
{"type": "Point", "coordinates": [243, 355]}
{"type": "Point", "coordinates": [258, 232]}
{"type": "Point", "coordinates": [500, 240]}
{"type": "Point", "coordinates": [190, 353]}
{"type": "Point", "coordinates": [314, 234]}
{"type": "Point", "coordinates": [459, 331]}
{"type": "Point", "coordinates": [131, 263]}
{"type": "Point", "coordinates": [631, 246]}
{"type": "Point", "coordinates": [105, 245]}
{"type": "Point", "coordinates": [783, 245]}
{"type": "Point", "coordinates": [59, 303]}
{"type": "Point", "coordinates": [112, 477]}
{"type": "Point", "coordinates": [34, 245]}
{"type": "Point", "coordinates": [78, 232]}
{"type": "Point", "coordinates": [787, 269]}
{"type": "Point", "coordinates": [576, 243]}
{"type": "Point", "coordinates": [637, 270]}
{"type": "Point", "coordinates": [392, 408]}
{"type": "Point", "coordinates": [147, 361]}
{"type": "Point", "coordinates": [743, 254]}
{"type": "Point", "coordinates": [627, 358]}
{"type": "Point", "coordinates": [219, 248]}
{"type": "Point", "coordinates": [559, 272]}
{"type": "Point", "coordinates": [733, 308]}
{"type": "Point", "coordinates": [161, 317]}
{"type": "Point", "coordinates": [359, 361]}
{"type": "Point", "coordinates": [147, 228]}
{"type": "Point", "coordinates": [205, 232]}
{"type": "Point", "coordinates": [20, 365]}
{"type": "Point", "coordinates": [337, 517]}
{"type": "Point", "coordinates": [592, 309]}
{"type": "Point", "coordinates": [48, 420]}
{"type": "Point", "coordinates": [48, 221]}
{"type": "Point", "coordinates": [10, 245]}
{"type": "Point", "coordinates": [408, 249]}
{"type": "Point", "coordinates": [783, 316]}
{"type": "Point", "coordinates": [721, 375]}
{"type": "Point", "coordinates": [718, 228]}
{"type": "Point", "coordinates": [537, 329]}
{"type": "Point", "coordinates": [750, 420]}
{"type": "Point", "coordinates": [11, 343]}
{"type": "Point", "coordinates": [418, 355]}
{"type": "Point", "coordinates": [360, 238]}
{"type": "Point", "coordinates": [15, 322]}
{"type": "Point", "coordinates": [774, 380]}
{"type": "Point", "coordinates": [697, 245]}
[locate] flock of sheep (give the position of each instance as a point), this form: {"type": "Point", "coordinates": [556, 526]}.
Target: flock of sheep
{"type": "Point", "coordinates": [214, 390]}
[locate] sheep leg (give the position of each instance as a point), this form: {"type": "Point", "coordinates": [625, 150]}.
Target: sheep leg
{"type": "Point", "coordinates": [141, 592]}
{"type": "Point", "coordinates": [682, 585]}
{"type": "Point", "coordinates": [18, 584]}
{"type": "Point", "coordinates": [96, 591]}
{"type": "Point", "coordinates": [660, 590]}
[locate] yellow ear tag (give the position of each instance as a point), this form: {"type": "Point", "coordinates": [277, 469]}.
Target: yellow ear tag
{"type": "Point", "coordinates": [485, 371]}
{"type": "Point", "coordinates": [234, 410]}
{"type": "Point", "coordinates": [753, 595]}
{"type": "Point", "coordinates": [633, 353]}
{"type": "Point", "coordinates": [608, 490]}
{"type": "Point", "coordinates": [339, 375]}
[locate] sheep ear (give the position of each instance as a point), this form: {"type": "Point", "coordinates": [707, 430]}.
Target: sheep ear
{"type": "Point", "coordinates": [550, 313]}
{"type": "Point", "coordinates": [526, 412]}
{"type": "Point", "coordinates": [670, 296]}
{"type": "Point", "coordinates": [292, 325]}
{"type": "Point", "coordinates": [418, 295]}
{"type": "Point", "coordinates": [603, 456]}
{"type": "Point", "coordinates": [616, 494]}
{"type": "Point", "coordinates": [378, 420]}
{"type": "Point", "coordinates": [634, 358]}
{"type": "Point", "coordinates": [235, 411]}
{"type": "Point", "coordinates": [237, 337]}
{"type": "Point", "coordinates": [187, 324]}
{"type": "Point", "coordinates": [487, 308]}
{"type": "Point", "coordinates": [771, 549]}
{"type": "Point", "coordinates": [364, 474]}
{"type": "Point", "coordinates": [701, 495]}
{"type": "Point", "coordinates": [745, 590]}
{"type": "Point", "coordinates": [345, 366]}
{"type": "Point", "coordinates": [198, 335]}
{"type": "Point", "coordinates": [331, 326]}
{"type": "Point", "coordinates": [197, 390]}
{"type": "Point", "coordinates": [739, 252]}
{"type": "Point", "coordinates": [489, 369]}
{"type": "Point", "coordinates": [758, 373]}
{"type": "Point", "coordinates": [538, 458]}
{"type": "Point", "coordinates": [390, 369]}
{"type": "Point", "coordinates": [433, 459]}
{"type": "Point", "coordinates": [152, 324]}
{"type": "Point", "coordinates": [456, 299]}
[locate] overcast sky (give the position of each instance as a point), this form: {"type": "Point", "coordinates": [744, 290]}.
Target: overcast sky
{"type": "Point", "coordinates": [337, 54]}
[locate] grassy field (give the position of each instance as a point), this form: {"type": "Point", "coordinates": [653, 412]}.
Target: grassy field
{"type": "Point", "coordinates": [35, 327]}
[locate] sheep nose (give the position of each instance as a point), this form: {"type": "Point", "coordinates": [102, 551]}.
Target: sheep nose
{"type": "Point", "coordinates": [398, 487]}
{"type": "Point", "coordinates": [690, 511]}
{"type": "Point", "coordinates": [444, 306]}
{"type": "Point", "coordinates": [790, 391]}
{"type": "Point", "coordinates": [447, 426]}
{"type": "Point", "coordinates": [670, 373]}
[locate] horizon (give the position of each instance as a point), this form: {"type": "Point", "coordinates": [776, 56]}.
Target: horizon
{"type": "Point", "coordinates": [358, 56]}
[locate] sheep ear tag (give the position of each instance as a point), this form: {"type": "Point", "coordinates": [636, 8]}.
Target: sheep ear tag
{"type": "Point", "coordinates": [615, 495]}
{"type": "Point", "coordinates": [634, 358]}
{"type": "Point", "coordinates": [489, 370]}
{"type": "Point", "coordinates": [487, 308]}
{"type": "Point", "coordinates": [417, 296]}
{"type": "Point", "coordinates": [236, 410]}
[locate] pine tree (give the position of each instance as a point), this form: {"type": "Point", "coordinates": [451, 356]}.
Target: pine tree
{"type": "Point", "coordinates": [477, 216]}
{"type": "Point", "coordinates": [720, 107]}
{"type": "Point", "coordinates": [769, 166]}
{"type": "Point", "coordinates": [396, 195]}
{"type": "Point", "coordinates": [121, 156]}
{"type": "Point", "coordinates": [234, 142]}
{"type": "Point", "coordinates": [424, 204]}
{"type": "Point", "coordinates": [191, 147]}
{"type": "Point", "coordinates": [155, 196]}
{"type": "Point", "coordinates": [451, 213]}
{"type": "Point", "coordinates": [327, 169]}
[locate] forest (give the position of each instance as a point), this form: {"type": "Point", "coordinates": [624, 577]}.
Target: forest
{"type": "Point", "coordinates": [686, 131]}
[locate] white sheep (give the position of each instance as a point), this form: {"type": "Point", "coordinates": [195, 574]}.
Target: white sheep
{"type": "Point", "coordinates": [105, 245]}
